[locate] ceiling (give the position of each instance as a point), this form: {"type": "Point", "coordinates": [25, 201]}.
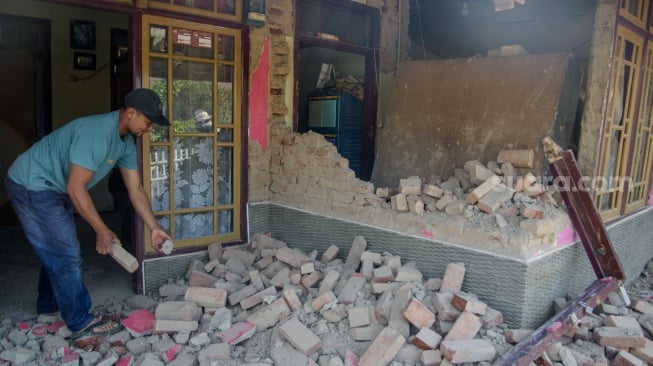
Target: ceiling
{"type": "Point", "coordinates": [464, 28]}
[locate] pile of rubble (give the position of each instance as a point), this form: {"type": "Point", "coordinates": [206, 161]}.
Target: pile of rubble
{"type": "Point", "coordinates": [505, 189]}
{"type": "Point", "coordinates": [268, 304]}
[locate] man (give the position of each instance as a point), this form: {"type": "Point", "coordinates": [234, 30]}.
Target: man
{"type": "Point", "coordinates": [203, 121]}
{"type": "Point", "coordinates": [50, 181]}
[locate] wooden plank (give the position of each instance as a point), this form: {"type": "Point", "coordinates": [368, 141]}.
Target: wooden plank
{"type": "Point", "coordinates": [531, 348]}
{"type": "Point", "coordinates": [585, 217]}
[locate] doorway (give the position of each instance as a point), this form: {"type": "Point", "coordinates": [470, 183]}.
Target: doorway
{"type": "Point", "coordinates": [25, 98]}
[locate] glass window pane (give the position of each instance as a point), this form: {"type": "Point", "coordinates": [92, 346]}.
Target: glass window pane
{"type": "Point", "coordinates": [193, 169]}
{"type": "Point", "coordinates": [193, 85]}
{"type": "Point", "coordinates": [225, 174]}
{"type": "Point", "coordinates": [225, 95]}
{"type": "Point", "coordinates": [225, 134]}
{"type": "Point", "coordinates": [159, 174]}
{"type": "Point", "coordinates": [225, 48]}
{"type": "Point", "coordinates": [196, 4]}
{"type": "Point", "coordinates": [225, 222]}
{"type": "Point", "coordinates": [158, 39]}
{"type": "Point", "coordinates": [192, 43]}
{"type": "Point", "coordinates": [159, 83]}
{"type": "Point", "coordinates": [227, 7]}
{"type": "Point", "coordinates": [193, 225]}
{"type": "Point", "coordinates": [164, 222]}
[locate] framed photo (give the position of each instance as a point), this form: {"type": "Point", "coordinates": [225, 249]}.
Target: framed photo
{"type": "Point", "coordinates": [84, 61]}
{"type": "Point", "coordinates": [82, 34]}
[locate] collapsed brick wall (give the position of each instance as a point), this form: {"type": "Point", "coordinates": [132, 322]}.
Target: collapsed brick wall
{"type": "Point", "coordinates": [279, 29]}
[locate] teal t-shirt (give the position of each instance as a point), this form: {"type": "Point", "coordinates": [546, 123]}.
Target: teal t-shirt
{"type": "Point", "coordinates": [91, 142]}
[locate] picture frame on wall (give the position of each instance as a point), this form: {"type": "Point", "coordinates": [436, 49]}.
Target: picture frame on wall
{"type": "Point", "coordinates": [84, 61]}
{"type": "Point", "coordinates": [82, 34]}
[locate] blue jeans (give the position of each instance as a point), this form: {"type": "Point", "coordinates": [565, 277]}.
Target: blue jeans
{"type": "Point", "coordinates": [49, 225]}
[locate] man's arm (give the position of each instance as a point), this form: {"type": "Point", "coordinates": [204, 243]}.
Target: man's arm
{"type": "Point", "coordinates": [142, 206]}
{"type": "Point", "coordinates": [76, 189]}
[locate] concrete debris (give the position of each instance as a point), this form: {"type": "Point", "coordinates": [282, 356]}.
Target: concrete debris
{"type": "Point", "coordinates": [389, 316]}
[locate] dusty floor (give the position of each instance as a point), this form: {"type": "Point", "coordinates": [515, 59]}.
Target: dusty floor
{"type": "Point", "coordinates": [19, 269]}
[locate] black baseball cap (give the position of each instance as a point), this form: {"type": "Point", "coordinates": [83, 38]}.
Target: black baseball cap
{"type": "Point", "coordinates": [147, 102]}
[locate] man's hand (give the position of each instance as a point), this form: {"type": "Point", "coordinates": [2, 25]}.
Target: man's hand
{"type": "Point", "coordinates": [158, 237]}
{"type": "Point", "coordinates": [103, 241]}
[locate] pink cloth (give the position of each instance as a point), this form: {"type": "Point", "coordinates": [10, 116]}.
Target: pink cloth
{"type": "Point", "coordinates": [258, 99]}
{"type": "Point", "coordinates": [566, 236]}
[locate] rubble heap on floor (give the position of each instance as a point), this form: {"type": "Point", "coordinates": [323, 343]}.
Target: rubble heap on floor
{"type": "Point", "coordinates": [268, 304]}
{"type": "Point", "coordinates": [506, 189]}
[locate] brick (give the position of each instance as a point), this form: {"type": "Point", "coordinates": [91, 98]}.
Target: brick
{"type": "Point", "coordinates": [418, 314]}
{"type": "Point", "coordinates": [307, 267]}
{"type": "Point", "coordinates": [264, 262]}
{"type": "Point", "coordinates": [442, 303]}
{"type": "Point", "coordinates": [367, 268]}
{"type": "Point", "coordinates": [269, 315]}
{"type": "Point", "coordinates": [383, 307]}
{"type": "Point", "coordinates": [293, 301]}
{"type": "Point", "coordinates": [257, 298]}
{"type": "Point", "coordinates": [644, 353]}
{"type": "Point", "coordinates": [383, 349]}
{"type": "Point", "coordinates": [430, 358]}
{"type": "Point", "coordinates": [452, 281]}
{"type": "Point", "coordinates": [642, 306]}
{"type": "Point", "coordinates": [383, 274]}
{"type": "Point", "coordinates": [200, 279]}
{"type": "Point", "coordinates": [626, 359]}
{"type": "Point", "coordinates": [444, 201]}
{"type": "Point", "coordinates": [214, 353]}
{"type": "Point", "coordinates": [465, 327]}
{"type": "Point", "coordinates": [323, 299]}
{"type": "Point", "coordinates": [515, 336]}
{"type": "Point", "coordinates": [238, 332]}
{"type": "Point", "coordinates": [355, 253]}
{"type": "Point", "coordinates": [532, 211]}
{"type": "Point", "coordinates": [366, 333]}
{"type": "Point", "coordinates": [178, 310]}
{"type": "Point", "coordinates": [311, 279]}
{"type": "Point", "coordinates": [415, 204]}
{"type": "Point", "coordinates": [353, 285]}
{"type": "Point", "coordinates": [427, 339]}
{"type": "Point", "coordinates": [468, 302]}
{"type": "Point", "coordinates": [468, 350]}
{"type": "Point", "coordinates": [330, 254]}
{"type": "Point", "coordinates": [329, 281]}
{"type": "Point", "coordinates": [293, 257]}
{"type": "Point", "coordinates": [432, 190]}
{"type": "Point", "coordinates": [493, 200]}
{"type": "Point", "coordinates": [215, 251]}
{"type": "Point", "coordinates": [483, 189]}
{"type": "Point", "coordinates": [210, 266]}
{"type": "Point", "coordinates": [139, 322]}
{"type": "Point", "coordinates": [166, 326]}
{"type": "Point", "coordinates": [521, 158]}
{"type": "Point", "coordinates": [358, 317]}
{"type": "Point", "coordinates": [410, 185]}
{"type": "Point", "coordinates": [256, 280]}
{"type": "Point", "coordinates": [478, 173]}
{"type": "Point", "coordinates": [621, 338]}
{"type": "Point", "coordinates": [238, 296]}
{"type": "Point", "coordinates": [455, 208]}
{"type": "Point", "coordinates": [524, 182]}
{"type": "Point", "coordinates": [535, 190]}
{"type": "Point", "coordinates": [620, 321]}
{"type": "Point", "coordinates": [408, 273]}
{"type": "Point", "coordinates": [302, 338]}
{"type": "Point", "coordinates": [281, 278]}
{"type": "Point", "coordinates": [399, 202]}
{"type": "Point", "coordinates": [397, 320]}
{"type": "Point", "coordinates": [207, 297]}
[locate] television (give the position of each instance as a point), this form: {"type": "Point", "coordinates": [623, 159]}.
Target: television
{"type": "Point", "coordinates": [323, 114]}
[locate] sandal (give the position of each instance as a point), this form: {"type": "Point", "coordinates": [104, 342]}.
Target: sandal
{"type": "Point", "coordinates": [97, 327]}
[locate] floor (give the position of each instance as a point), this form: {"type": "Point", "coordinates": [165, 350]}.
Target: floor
{"type": "Point", "coordinates": [105, 279]}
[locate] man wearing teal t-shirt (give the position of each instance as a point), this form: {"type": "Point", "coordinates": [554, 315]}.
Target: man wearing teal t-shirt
{"type": "Point", "coordinates": [50, 181]}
